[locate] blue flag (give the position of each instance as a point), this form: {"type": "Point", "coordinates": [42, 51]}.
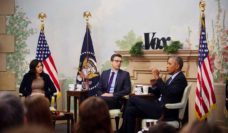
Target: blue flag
{"type": "Point", "coordinates": [88, 75]}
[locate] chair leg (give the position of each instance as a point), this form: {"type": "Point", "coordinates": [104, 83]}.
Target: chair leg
{"type": "Point", "coordinates": [138, 126]}
{"type": "Point", "coordinates": [68, 126]}
{"type": "Point", "coordinates": [180, 124]}
{"type": "Point", "coordinates": [117, 123]}
{"type": "Point", "coordinates": [72, 124]}
{"type": "Point", "coordinates": [54, 123]}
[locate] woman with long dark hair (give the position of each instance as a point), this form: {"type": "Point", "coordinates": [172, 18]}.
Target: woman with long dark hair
{"type": "Point", "coordinates": [36, 82]}
{"type": "Point", "coordinates": [94, 117]}
{"type": "Point", "coordinates": [37, 112]}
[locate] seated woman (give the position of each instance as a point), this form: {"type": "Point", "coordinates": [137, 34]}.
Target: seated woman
{"type": "Point", "coordinates": [36, 82]}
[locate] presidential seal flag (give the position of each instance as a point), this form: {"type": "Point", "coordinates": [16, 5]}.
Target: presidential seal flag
{"type": "Point", "coordinates": [205, 96]}
{"type": "Point", "coordinates": [88, 75]}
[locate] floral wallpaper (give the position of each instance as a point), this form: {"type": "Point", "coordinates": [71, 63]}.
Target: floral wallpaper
{"type": "Point", "coordinates": [218, 46]}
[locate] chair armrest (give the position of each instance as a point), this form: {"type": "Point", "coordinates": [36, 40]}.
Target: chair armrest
{"type": "Point", "coordinates": [20, 95]}
{"type": "Point", "coordinates": [55, 94]}
{"type": "Point", "coordinates": [174, 105]}
{"type": "Point", "coordinates": [124, 102]}
{"type": "Point", "coordinates": [54, 101]}
{"type": "Point", "coordinates": [125, 97]}
{"type": "Point", "coordinates": [52, 108]}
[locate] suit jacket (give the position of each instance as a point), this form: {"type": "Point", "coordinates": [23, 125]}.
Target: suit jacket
{"type": "Point", "coordinates": [26, 85]}
{"type": "Point", "coordinates": [122, 85]}
{"type": "Point", "coordinates": [171, 93]}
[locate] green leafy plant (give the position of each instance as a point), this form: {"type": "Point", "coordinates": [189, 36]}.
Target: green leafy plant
{"type": "Point", "coordinates": [173, 47]}
{"type": "Point", "coordinates": [19, 25]}
{"type": "Point", "coordinates": [128, 40]}
{"type": "Point", "coordinates": [124, 43]}
{"type": "Point", "coordinates": [136, 50]}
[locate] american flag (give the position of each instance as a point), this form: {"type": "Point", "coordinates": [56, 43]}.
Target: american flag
{"type": "Point", "coordinates": [205, 97]}
{"type": "Point", "coordinates": [43, 54]}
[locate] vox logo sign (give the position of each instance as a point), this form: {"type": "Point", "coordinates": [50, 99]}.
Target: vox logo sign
{"type": "Point", "coordinates": [154, 42]}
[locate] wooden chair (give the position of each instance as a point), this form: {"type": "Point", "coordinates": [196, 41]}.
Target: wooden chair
{"type": "Point", "coordinates": [59, 115]}
{"type": "Point", "coordinates": [62, 115]}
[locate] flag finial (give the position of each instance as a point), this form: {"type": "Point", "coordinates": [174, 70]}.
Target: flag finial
{"type": "Point", "coordinates": [202, 5]}
{"type": "Point", "coordinates": [86, 15]}
{"type": "Point", "coordinates": [42, 16]}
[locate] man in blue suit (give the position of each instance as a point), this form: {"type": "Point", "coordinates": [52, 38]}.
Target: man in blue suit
{"type": "Point", "coordinates": [114, 83]}
{"type": "Point", "coordinates": [169, 92]}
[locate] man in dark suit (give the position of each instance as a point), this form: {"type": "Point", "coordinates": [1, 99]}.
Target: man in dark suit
{"type": "Point", "coordinates": [114, 83]}
{"type": "Point", "coordinates": [169, 92]}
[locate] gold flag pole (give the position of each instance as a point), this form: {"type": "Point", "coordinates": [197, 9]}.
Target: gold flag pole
{"type": "Point", "coordinates": [42, 16]}
{"type": "Point", "coordinates": [202, 6]}
{"type": "Point", "coordinates": [85, 80]}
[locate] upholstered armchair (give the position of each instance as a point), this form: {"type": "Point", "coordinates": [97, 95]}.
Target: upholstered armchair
{"type": "Point", "coordinates": [181, 106]}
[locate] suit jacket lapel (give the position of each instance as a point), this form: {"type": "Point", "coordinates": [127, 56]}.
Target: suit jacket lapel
{"type": "Point", "coordinates": [174, 78]}
{"type": "Point", "coordinates": [168, 81]}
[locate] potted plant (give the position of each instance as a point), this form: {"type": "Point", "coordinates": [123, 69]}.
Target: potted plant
{"type": "Point", "coordinates": [173, 47]}
{"type": "Point", "coordinates": [136, 49]}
